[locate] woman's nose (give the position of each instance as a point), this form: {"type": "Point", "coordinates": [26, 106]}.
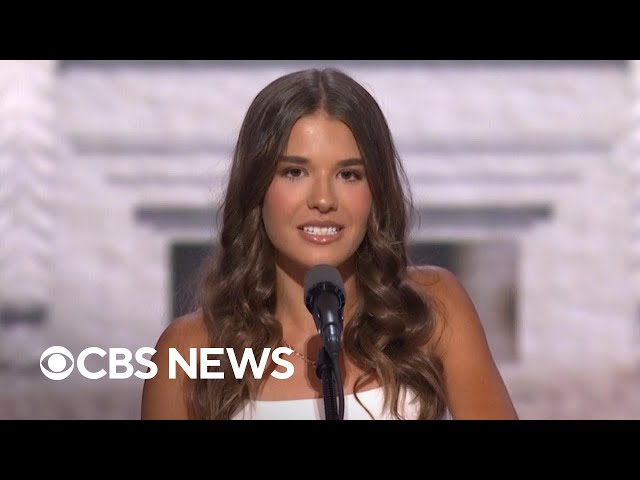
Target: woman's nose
{"type": "Point", "coordinates": [322, 196]}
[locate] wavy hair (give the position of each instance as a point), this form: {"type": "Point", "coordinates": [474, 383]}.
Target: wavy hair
{"type": "Point", "coordinates": [237, 298]}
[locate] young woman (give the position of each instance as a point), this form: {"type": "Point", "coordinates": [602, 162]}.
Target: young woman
{"type": "Point", "coordinates": [316, 179]}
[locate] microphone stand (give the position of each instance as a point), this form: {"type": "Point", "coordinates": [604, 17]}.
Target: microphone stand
{"type": "Point", "coordinates": [328, 371]}
{"type": "Point", "coordinates": [325, 302]}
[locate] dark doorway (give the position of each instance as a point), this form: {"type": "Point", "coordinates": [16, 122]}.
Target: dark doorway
{"type": "Point", "coordinates": [187, 260]}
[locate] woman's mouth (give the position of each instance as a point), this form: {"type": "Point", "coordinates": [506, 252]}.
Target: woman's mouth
{"type": "Point", "coordinates": [320, 235]}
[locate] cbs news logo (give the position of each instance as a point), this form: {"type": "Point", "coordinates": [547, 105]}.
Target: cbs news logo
{"type": "Point", "coordinates": [57, 363]}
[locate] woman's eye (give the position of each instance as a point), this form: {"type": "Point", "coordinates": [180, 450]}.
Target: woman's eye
{"type": "Point", "coordinates": [293, 173]}
{"type": "Point", "coordinates": [351, 175]}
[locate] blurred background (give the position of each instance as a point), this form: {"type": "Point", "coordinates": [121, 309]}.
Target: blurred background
{"type": "Point", "coordinates": [525, 176]}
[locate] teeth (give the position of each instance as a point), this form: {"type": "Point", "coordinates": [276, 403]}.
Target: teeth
{"type": "Point", "coordinates": [321, 231]}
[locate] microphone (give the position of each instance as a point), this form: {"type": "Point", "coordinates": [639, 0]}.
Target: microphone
{"type": "Point", "coordinates": [324, 297]}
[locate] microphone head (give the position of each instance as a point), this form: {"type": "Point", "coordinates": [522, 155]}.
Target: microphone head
{"type": "Point", "coordinates": [323, 278]}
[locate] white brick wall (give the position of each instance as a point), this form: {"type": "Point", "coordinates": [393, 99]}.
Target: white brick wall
{"type": "Point", "coordinates": [629, 150]}
{"type": "Point", "coordinates": [442, 105]}
{"type": "Point", "coordinates": [28, 166]}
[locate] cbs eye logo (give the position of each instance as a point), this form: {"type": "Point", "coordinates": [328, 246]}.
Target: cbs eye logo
{"type": "Point", "coordinates": [56, 362]}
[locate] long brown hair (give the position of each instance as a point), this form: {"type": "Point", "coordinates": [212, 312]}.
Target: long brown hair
{"type": "Point", "coordinates": [392, 322]}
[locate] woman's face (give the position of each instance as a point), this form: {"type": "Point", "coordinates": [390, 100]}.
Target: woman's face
{"type": "Point", "coordinates": [317, 206]}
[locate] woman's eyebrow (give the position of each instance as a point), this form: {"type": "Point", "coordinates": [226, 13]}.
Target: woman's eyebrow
{"type": "Point", "coordinates": [348, 162]}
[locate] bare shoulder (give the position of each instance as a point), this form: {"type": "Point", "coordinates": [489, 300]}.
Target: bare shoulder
{"type": "Point", "coordinates": [162, 396]}
{"type": "Point", "coordinates": [432, 279]}
{"type": "Point", "coordinates": [436, 281]}
{"type": "Point", "coordinates": [474, 386]}
{"type": "Point", "coordinates": [454, 309]}
{"type": "Point", "coordinates": [185, 332]}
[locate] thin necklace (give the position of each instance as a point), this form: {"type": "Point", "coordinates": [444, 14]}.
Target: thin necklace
{"type": "Point", "coordinates": [302, 356]}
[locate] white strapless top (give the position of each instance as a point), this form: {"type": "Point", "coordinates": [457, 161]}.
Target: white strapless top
{"type": "Point", "coordinates": [313, 408]}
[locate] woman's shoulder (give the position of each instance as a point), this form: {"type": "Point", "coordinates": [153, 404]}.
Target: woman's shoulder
{"type": "Point", "coordinates": [162, 396]}
{"type": "Point", "coordinates": [184, 332]}
{"type": "Point", "coordinates": [454, 310]}
{"type": "Point", "coordinates": [434, 281]}
{"type": "Point", "coordinates": [474, 386]}
{"type": "Point", "coordinates": [441, 286]}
